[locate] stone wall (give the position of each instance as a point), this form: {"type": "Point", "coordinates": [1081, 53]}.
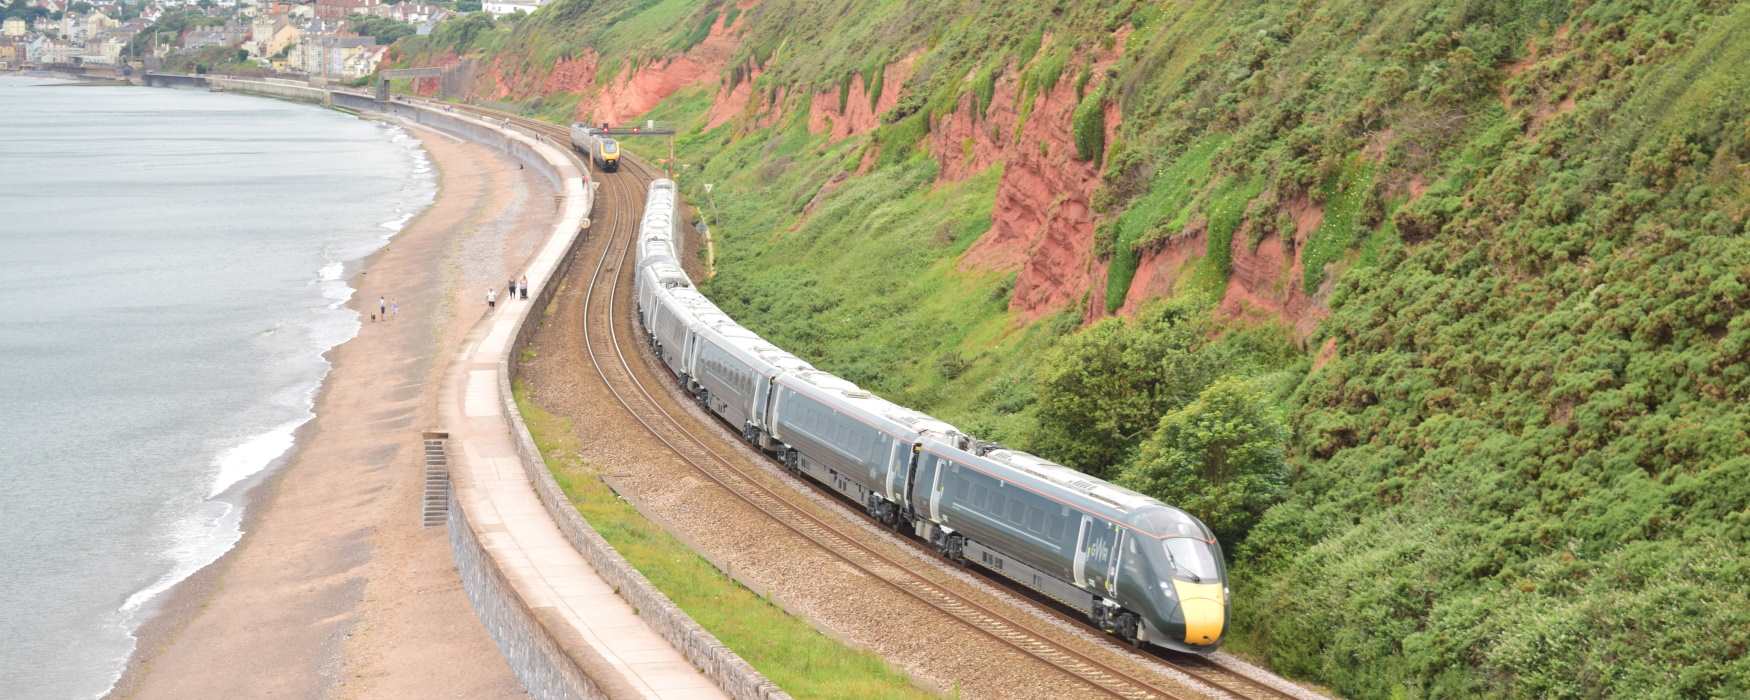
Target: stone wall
{"type": "Point", "coordinates": [534, 655]}
{"type": "Point", "coordinates": [284, 91]}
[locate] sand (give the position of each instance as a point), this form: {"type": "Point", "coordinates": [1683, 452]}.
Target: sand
{"type": "Point", "coordinates": [336, 590]}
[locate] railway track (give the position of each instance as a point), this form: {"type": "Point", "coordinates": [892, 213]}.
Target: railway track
{"type": "Point", "coordinates": [611, 352]}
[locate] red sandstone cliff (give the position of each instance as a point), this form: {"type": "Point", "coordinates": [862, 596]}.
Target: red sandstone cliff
{"type": "Point", "coordinates": [1042, 226]}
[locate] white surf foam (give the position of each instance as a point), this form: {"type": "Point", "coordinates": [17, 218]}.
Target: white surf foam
{"type": "Point", "coordinates": [255, 454]}
{"type": "Point", "coordinates": [214, 526]}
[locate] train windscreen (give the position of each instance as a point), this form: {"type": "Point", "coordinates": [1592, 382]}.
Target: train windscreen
{"type": "Point", "coordinates": [1192, 559]}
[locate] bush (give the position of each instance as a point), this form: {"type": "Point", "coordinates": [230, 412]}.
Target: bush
{"type": "Point", "coordinates": [1102, 390]}
{"type": "Point", "coordinates": [1090, 126]}
{"type": "Point", "coordinates": [1219, 458]}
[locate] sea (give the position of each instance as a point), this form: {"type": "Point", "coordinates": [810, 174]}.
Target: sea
{"type": "Point", "coordinates": [173, 267]}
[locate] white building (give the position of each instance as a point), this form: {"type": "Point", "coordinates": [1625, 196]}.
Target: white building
{"type": "Point", "coordinates": [14, 27]}
{"type": "Point", "coordinates": [500, 8]}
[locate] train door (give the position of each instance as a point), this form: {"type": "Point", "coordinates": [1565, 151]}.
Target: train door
{"type": "Point", "coordinates": [1096, 559]}
{"type": "Point", "coordinates": [911, 472]}
{"type": "Point", "coordinates": [1079, 569]}
{"type": "Point", "coordinates": [762, 398]}
{"type": "Point", "coordinates": [689, 352]}
{"type": "Point", "coordinates": [926, 479]}
{"type": "Point", "coordinates": [896, 455]}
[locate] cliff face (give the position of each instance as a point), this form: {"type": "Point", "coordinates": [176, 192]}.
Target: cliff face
{"type": "Point", "coordinates": [1041, 227]}
{"type": "Point", "coordinates": [1042, 223]}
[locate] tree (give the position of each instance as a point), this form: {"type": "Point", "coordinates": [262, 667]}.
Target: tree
{"type": "Point", "coordinates": [1102, 390]}
{"type": "Point", "coordinates": [1219, 458]}
{"type": "Point", "coordinates": [386, 31]}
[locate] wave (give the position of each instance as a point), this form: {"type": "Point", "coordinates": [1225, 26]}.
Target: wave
{"type": "Point", "coordinates": [253, 456]}
{"type": "Point", "coordinates": [215, 526]}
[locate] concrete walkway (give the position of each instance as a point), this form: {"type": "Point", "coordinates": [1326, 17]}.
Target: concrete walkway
{"type": "Point", "coordinates": [616, 649]}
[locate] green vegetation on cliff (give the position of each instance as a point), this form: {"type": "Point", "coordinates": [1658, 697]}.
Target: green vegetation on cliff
{"type": "Point", "coordinates": [1514, 459]}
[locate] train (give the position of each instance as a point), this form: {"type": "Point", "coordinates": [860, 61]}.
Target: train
{"type": "Point", "coordinates": [1137, 568]}
{"type": "Point", "coordinates": [603, 151]}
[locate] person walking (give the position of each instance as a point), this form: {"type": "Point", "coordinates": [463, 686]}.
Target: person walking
{"type": "Point", "coordinates": [512, 287]}
{"type": "Point", "coordinates": [394, 309]}
{"type": "Point", "coordinates": [525, 286]}
{"type": "Point", "coordinates": [491, 298]}
{"type": "Point", "coordinates": [382, 309]}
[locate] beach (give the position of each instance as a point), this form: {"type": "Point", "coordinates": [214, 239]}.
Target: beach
{"type": "Point", "coordinates": [336, 589]}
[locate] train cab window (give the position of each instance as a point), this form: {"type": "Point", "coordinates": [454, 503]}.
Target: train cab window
{"type": "Point", "coordinates": [1192, 559]}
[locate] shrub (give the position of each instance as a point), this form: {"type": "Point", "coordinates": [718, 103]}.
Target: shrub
{"type": "Point", "coordinates": [1090, 126]}
{"type": "Point", "coordinates": [1219, 458]}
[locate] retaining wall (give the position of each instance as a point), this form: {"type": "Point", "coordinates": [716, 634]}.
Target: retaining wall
{"type": "Point", "coordinates": [284, 91]}
{"type": "Point", "coordinates": [534, 655]}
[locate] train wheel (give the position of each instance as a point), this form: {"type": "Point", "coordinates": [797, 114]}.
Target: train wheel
{"type": "Point", "coordinates": [1128, 624]}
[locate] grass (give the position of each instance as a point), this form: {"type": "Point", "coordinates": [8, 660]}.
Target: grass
{"type": "Point", "coordinates": [1152, 217]}
{"type": "Point", "coordinates": [794, 655]}
{"type": "Point", "coordinates": [1340, 229]}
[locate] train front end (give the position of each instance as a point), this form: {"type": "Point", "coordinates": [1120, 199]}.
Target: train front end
{"type": "Point", "coordinates": [1183, 581]}
{"type": "Point", "coordinates": [608, 154]}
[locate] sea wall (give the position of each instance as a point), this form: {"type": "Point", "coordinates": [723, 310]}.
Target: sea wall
{"type": "Point", "coordinates": [535, 656]}
{"type": "Point", "coordinates": [279, 89]}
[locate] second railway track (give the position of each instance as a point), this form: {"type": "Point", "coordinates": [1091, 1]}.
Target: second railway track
{"type": "Point", "coordinates": [611, 355]}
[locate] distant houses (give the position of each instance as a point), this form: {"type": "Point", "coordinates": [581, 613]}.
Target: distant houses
{"type": "Point", "coordinates": [318, 38]}
{"type": "Point", "coordinates": [500, 8]}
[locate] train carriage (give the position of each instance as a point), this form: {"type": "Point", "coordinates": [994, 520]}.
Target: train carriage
{"type": "Point", "coordinates": [858, 444]}
{"type": "Point", "coordinates": [1142, 569]}
{"type": "Point", "coordinates": [603, 151]}
{"type": "Point", "coordinates": [672, 318]}
{"type": "Point", "coordinates": [734, 369]}
{"type": "Point", "coordinates": [658, 273]}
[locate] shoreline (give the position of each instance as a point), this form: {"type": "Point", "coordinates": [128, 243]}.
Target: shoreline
{"type": "Point", "coordinates": [176, 635]}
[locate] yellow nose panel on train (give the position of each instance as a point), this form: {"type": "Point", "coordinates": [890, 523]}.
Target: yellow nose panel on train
{"type": "Point", "coordinates": [1203, 607]}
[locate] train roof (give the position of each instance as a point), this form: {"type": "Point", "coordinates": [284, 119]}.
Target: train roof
{"type": "Point", "coordinates": [662, 184]}
{"type": "Point", "coordinates": [695, 302]}
{"type": "Point", "coordinates": [1086, 493]}
{"type": "Point", "coordinates": [667, 272]}
{"type": "Point", "coordinates": [747, 344]}
{"type": "Point", "coordinates": [655, 247]}
{"type": "Point", "coordinates": [841, 393]}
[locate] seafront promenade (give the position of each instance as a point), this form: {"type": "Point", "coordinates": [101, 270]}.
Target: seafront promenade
{"type": "Point", "coordinates": [578, 616]}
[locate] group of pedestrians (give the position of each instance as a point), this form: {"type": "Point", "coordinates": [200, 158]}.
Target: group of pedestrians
{"type": "Point", "coordinates": [386, 310]}
{"type": "Point", "coordinates": [514, 287]}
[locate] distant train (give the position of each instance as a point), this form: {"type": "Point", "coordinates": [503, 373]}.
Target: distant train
{"type": "Point", "coordinates": [1137, 568]}
{"type": "Point", "coordinates": [603, 151]}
